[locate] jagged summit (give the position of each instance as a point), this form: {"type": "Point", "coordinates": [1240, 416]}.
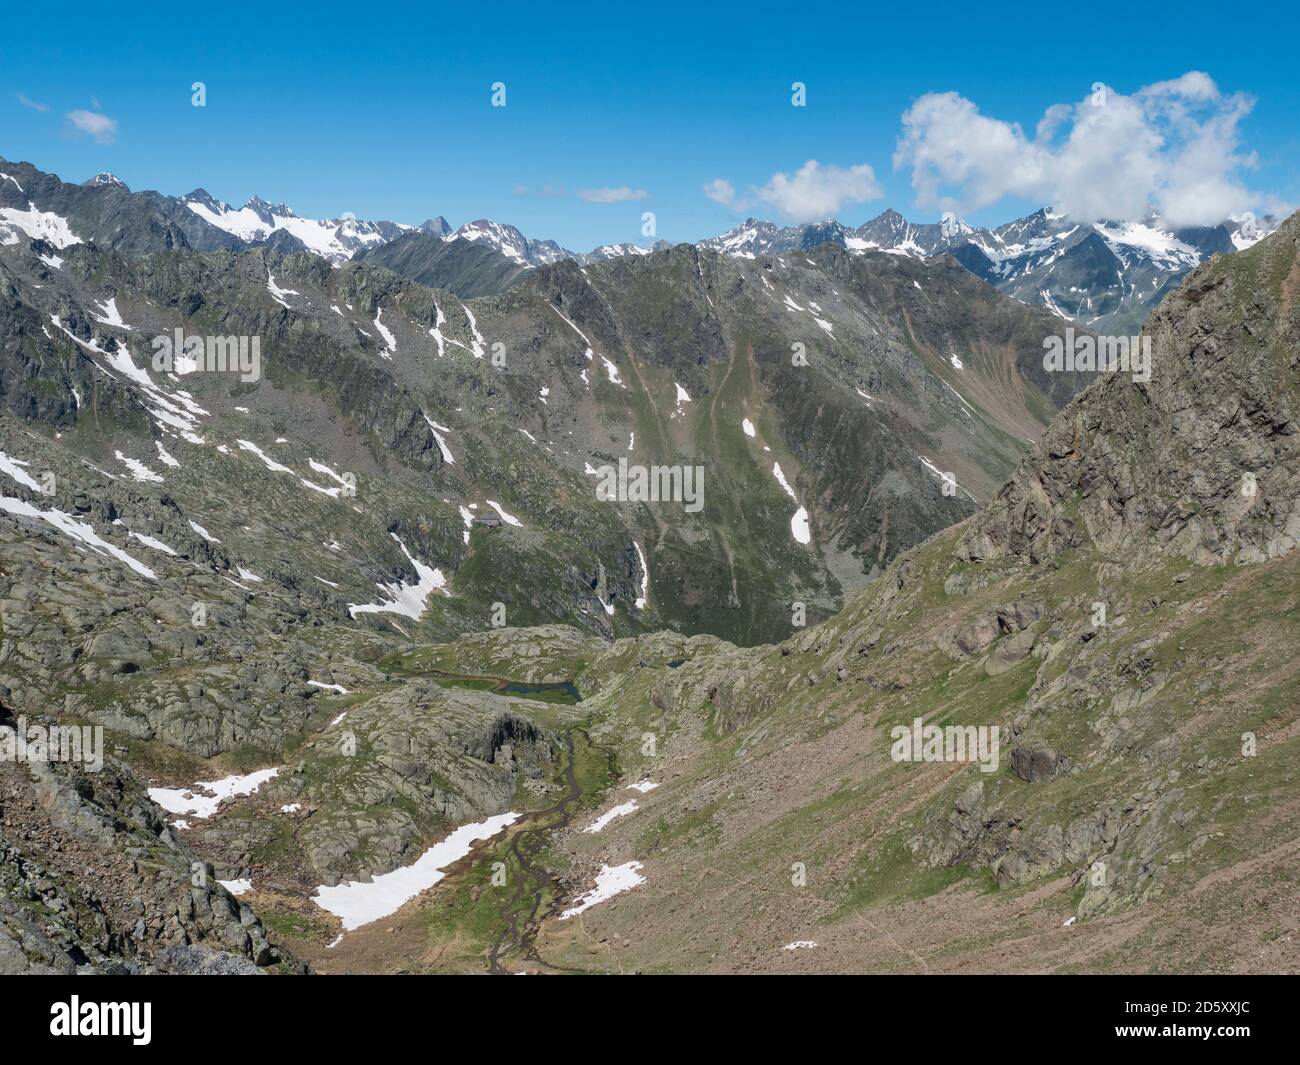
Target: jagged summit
{"type": "Point", "coordinates": [104, 178]}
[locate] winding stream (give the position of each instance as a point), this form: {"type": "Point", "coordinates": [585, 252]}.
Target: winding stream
{"type": "Point", "coordinates": [532, 879]}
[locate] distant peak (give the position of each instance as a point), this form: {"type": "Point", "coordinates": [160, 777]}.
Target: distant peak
{"type": "Point", "coordinates": [263, 209]}
{"type": "Point", "coordinates": [952, 226]}
{"type": "Point", "coordinates": [105, 178]}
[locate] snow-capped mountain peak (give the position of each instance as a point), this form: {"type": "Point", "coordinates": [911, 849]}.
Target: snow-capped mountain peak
{"type": "Point", "coordinates": [747, 240]}
{"type": "Point", "coordinates": [1149, 240]}
{"type": "Point", "coordinates": [504, 238]}
{"type": "Point", "coordinates": [614, 251]}
{"type": "Point", "coordinates": [1106, 274]}
{"type": "Point", "coordinates": [952, 226]}
{"type": "Point", "coordinates": [268, 212]}
{"type": "Point", "coordinates": [336, 239]}
{"type": "Point", "coordinates": [511, 243]}
{"type": "Point", "coordinates": [105, 178]}
{"type": "Point", "coordinates": [1246, 230]}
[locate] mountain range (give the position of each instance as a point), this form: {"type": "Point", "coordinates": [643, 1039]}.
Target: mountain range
{"type": "Point", "coordinates": [909, 370]}
{"type": "Point", "coordinates": [1107, 276]}
{"type": "Point", "coordinates": [358, 607]}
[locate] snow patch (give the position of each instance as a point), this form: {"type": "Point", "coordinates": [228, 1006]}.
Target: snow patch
{"type": "Point", "coordinates": [359, 903]}
{"type": "Point", "coordinates": [622, 810]}
{"type": "Point", "coordinates": [610, 881]}
{"type": "Point", "coordinates": [138, 469]}
{"type": "Point", "coordinates": [14, 468]}
{"type": "Point", "coordinates": [77, 530]}
{"type": "Point", "coordinates": [799, 520]}
{"type": "Point", "coordinates": [269, 462]}
{"type": "Point", "coordinates": [405, 599]}
{"type": "Point", "coordinates": [39, 225]}
{"type": "Point", "coordinates": [478, 348]}
{"type": "Point", "coordinates": [203, 797]}
{"type": "Point", "coordinates": [204, 533]}
{"type": "Point", "coordinates": [436, 332]}
{"type": "Point", "coordinates": [329, 687]}
{"type": "Point", "coordinates": [612, 371]}
{"type": "Point", "coordinates": [645, 577]}
{"type": "Point", "coordinates": [390, 342]}
{"type": "Point", "coordinates": [682, 397]}
{"type": "Point", "coordinates": [149, 541]}
{"type": "Point", "coordinates": [278, 293]}
{"type": "Point", "coordinates": [434, 428]}
{"type": "Point", "coordinates": [109, 315]}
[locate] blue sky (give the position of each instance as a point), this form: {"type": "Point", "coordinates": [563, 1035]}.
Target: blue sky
{"type": "Point", "coordinates": [385, 112]}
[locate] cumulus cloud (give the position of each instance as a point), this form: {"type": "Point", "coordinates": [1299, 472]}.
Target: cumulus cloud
{"type": "Point", "coordinates": [100, 127]}
{"type": "Point", "coordinates": [622, 194]}
{"type": "Point", "coordinates": [720, 190]}
{"type": "Point", "coordinates": [816, 191]}
{"type": "Point", "coordinates": [1173, 146]}
{"type": "Point", "coordinates": [27, 101]}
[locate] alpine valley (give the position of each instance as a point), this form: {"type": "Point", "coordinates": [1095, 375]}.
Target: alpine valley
{"type": "Point", "coordinates": [389, 684]}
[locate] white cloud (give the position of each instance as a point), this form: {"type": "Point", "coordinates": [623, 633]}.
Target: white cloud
{"type": "Point", "coordinates": [27, 101]}
{"type": "Point", "coordinates": [1172, 146]}
{"type": "Point", "coordinates": [102, 128]}
{"type": "Point", "coordinates": [720, 190]}
{"type": "Point", "coordinates": [618, 195]}
{"type": "Point", "coordinates": [816, 191]}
